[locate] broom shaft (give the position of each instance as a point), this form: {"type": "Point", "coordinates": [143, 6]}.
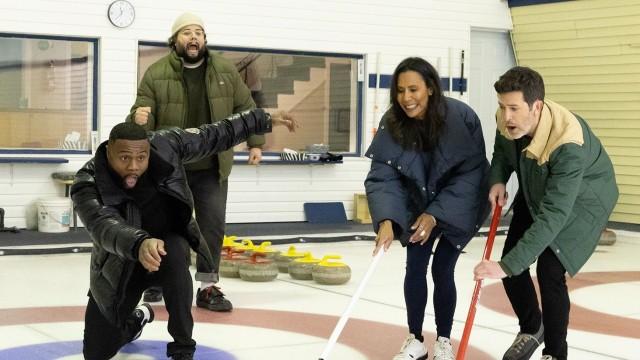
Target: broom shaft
{"type": "Point", "coordinates": [462, 347]}
{"type": "Point", "coordinates": [345, 316]}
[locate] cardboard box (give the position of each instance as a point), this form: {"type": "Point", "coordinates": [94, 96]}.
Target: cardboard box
{"type": "Point", "coordinates": [361, 209]}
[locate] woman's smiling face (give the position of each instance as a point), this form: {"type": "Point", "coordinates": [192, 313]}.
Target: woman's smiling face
{"type": "Point", "coordinates": [413, 94]}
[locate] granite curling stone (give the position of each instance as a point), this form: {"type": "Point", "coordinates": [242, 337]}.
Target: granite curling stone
{"type": "Point", "coordinates": [607, 237]}
{"type": "Point", "coordinates": [266, 249]}
{"type": "Point", "coordinates": [229, 263]}
{"type": "Point", "coordinates": [284, 258]}
{"type": "Point", "coordinates": [300, 268]}
{"type": "Point", "coordinates": [227, 242]}
{"type": "Point", "coordinates": [230, 242]}
{"type": "Point", "coordinates": [246, 247]}
{"type": "Point", "coordinates": [331, 272]}
{"type": "Point", "coordinates": [258, 269]}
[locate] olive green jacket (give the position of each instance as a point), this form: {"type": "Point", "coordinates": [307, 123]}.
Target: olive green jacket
{"type": "Point", "coordinates": [162, 88]}
{"type": "Point", "coordinates": [569, 185]}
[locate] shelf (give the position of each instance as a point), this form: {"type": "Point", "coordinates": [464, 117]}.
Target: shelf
{"type": "Point", "coordinates": [32, 160]}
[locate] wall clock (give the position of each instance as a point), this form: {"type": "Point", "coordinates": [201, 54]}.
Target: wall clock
{"type": "Point", "coordinates": [121, 13]}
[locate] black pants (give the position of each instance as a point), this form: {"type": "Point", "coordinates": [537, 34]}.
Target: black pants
{"type": "Point", "coordinates": [102, 339]}
{"type": "Point", "coordinates": [444, 292]}
{"type": "Point", "coordinates": [553, 290]}
{"type": "Point", "coordinates": [210, 201]}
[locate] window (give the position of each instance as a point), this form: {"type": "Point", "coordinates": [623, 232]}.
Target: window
{"type": "Point", "coordinates": [321, 90]}
{"type": "Point", "coordinates": [47, 94]}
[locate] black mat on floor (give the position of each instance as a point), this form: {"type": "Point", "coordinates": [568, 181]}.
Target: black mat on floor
{"type": "Point", "coordinates": [291, 228]}
{"type": "Point", "coordinates": [14, 243]}
{"type": "Point", "coordinates": [75, 241]}
{"type": "Point", "coordinates": [54, 249]}
{"type": "Point", "coordinates": [31, 237]}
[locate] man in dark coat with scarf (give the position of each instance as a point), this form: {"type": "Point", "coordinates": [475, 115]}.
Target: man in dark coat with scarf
{"type": "Point", "coordinates": [567, 193]}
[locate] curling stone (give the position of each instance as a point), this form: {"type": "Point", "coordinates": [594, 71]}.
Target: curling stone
{"type": "Point", "coordinates": [300, 268]}
{"type": "Point", "coordinates": [607, 237]}
{"type": "Point", "coordinates": [331, 272]}
{"type": "Point", "coordinates": [246, 247]}
{"type": "Point", "coordinates": [258, 269]}
{"type": "Point", "coordinates": [266, 249]}
{"type": "Point", "coordinates": [227, 242]}
{"type": "Point", "coordinates": [229, 263]}
{"type": "Point", "coordinates": [284, 258]}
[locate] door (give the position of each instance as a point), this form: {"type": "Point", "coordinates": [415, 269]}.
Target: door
{"type": "Point", "coordinates": [491, 56]}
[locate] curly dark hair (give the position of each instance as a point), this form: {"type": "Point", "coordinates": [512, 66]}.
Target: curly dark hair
{"type": "Point", "coordinates": [521, 78]}
{"type": "Point", "coordinates": [409, 133]}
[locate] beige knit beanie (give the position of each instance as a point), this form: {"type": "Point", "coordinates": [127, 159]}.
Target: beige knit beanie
{"type": "Point", "coordinates": [184, 20]}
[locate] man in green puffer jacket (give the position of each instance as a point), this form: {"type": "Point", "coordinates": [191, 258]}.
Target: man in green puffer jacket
{"type": "Point", "coordinates": [567, 193]}
{"type": "Point", "coordinates": [187, 88]}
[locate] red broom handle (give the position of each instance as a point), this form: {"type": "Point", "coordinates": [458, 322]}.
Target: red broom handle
{"type": "Point", "coordinates": [462, 347]}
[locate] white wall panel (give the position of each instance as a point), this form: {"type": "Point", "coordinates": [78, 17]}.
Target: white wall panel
{"type": "Point", "coordinates": [433, 29]}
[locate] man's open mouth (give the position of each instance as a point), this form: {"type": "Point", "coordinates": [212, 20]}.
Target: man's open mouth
{"type": "Point", "coordinates": [130, 181]}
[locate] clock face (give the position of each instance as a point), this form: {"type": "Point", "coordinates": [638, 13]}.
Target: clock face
{"type": "Point", "coordinates": [121, 13]}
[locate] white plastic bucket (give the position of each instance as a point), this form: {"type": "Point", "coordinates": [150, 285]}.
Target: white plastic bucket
{"type": "Point", "coordinates": [54, 214]}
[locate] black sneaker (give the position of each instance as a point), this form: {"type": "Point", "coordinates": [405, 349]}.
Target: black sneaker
{"type": "Point", "coordinates": [182, 356]}
{"type": "Point", "coordinates": [152, 294]}
{"type": "Point", "coordinates": [213, 299]}
{"type": "Point", "coordinates": [143, 314]}
{"type": "Point", "coordinates": [524, 345]}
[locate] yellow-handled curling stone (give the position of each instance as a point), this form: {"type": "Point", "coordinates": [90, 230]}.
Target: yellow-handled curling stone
{"type": "Point", "coordinates": [227, 242]}
{"type": "Point", "coordinates": [300, 268]}
{"type": "Point", "coordinates": [329, 272]}
{"type": "Point", "coordinates": [266, 249]}
{"type": "Point", "coordinates": [230, 261]}
{"type": "Point", "coordinates": [258, 269]}
{"type": "Point", "coordinates": [284, 258]}
{"type": "Point", "coordinates": [246, 247]}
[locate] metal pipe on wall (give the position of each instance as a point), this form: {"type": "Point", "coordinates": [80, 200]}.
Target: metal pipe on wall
{"type": "Point", "coordinates": [450, 72]}
{"type": "Point", "coordinates": [376, 106]}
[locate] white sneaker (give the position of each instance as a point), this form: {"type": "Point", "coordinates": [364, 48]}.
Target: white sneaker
{"type": "Point", "coordinates": [412, 349]}
{"type": "Point", "coordinates": [442, 349]}
{"type": "Point", "coordinates": [142, 315]}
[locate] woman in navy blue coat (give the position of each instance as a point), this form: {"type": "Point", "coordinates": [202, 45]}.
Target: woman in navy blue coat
{"type": "Point", "coordinates": [428, 181]}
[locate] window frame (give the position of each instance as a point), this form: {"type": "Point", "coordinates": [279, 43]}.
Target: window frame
{"type": "Point", "coordinates": [360, 87]}
{"type": "Point", "coordinates": [94, 111]}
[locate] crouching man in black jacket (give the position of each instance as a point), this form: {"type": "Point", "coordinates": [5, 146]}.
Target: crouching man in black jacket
{"type": "Point", "coordinates": [134, 200]}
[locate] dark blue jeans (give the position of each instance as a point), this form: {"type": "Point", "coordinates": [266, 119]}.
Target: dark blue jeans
{"type": "Point", "coordinates": [444, 292]}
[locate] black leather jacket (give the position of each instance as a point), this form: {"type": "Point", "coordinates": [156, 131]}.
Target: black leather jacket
{"type": "Point", "coordinates": [111, 219]}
